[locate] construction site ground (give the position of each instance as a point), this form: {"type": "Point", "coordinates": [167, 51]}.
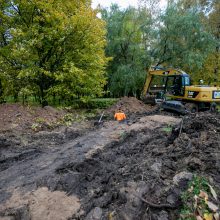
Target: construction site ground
{"type": "Point", "coordinates": [109, 170]}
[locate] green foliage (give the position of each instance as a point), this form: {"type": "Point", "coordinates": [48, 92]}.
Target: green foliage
{"type": "Point", "coordinates": [183, 41]}
{"type": "Point", "coordinates": [39, 120]}
{"type": "Point", "coordinates": [67, 119]}
{"type": "Point", "coordinates": [125, 32]}
{"type": "Point", "coordinates": [196, 185]}
{"type": "Point", "coordinates": [42, 123]}
{"type": "Point", "coordinates": [56, 47]}
{"type": "Point", "coordinates": [76, 116]}
{"type": "Point", "coordinates": [210, 71]}
{"type": "Point", "coordinates": [123, 135]}
{"type": "Point", "coordinates": [127, 80]}
{"type": "Point", "coordinates": [195, 199]}
{"type": "Point", "coordinates": [211, 68]}
{"type": "Point", "coordinates": [35, 126]}
{"type": "Point", "coordinates": [167, 129]}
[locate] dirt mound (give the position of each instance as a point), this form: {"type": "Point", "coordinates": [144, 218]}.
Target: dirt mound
{"type": "Point", "coordinates": [26, 118]}
{"type": "Point", "coordinates": [129, 105]}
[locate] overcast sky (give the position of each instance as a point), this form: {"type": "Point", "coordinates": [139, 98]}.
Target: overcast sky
{"type": "Point", "coordinates": [122, 3]}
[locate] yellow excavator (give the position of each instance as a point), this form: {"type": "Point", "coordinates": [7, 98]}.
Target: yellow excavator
{"type": "Point", "coordinates": [172, 88]}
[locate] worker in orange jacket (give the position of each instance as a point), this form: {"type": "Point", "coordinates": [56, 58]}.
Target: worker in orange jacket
{"type": "Point", "coordinates": [120, 116]}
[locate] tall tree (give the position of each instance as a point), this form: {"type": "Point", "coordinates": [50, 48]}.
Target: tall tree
{"type": "Point", "coordinates": [214, 21]}
{"type": "Point", "coordinates": [127, 45]}
{"type": "Point", "coordinates": [209, 12]}
{"type": "Point", "coordinates": [54, 46]}
{"type": "Point", "coordinates": [183, 41]}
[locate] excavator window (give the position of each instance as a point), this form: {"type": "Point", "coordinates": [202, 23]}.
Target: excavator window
{"type": "Point", "coordinates": [175, 85]}
{"type": "Point", "coordinates": [157, 84]}
{"type": "Point", "coordinates": [186, 81]}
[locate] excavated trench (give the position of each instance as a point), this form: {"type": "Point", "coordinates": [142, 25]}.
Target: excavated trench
{"type": "Point", "coordinates": [140, 174]}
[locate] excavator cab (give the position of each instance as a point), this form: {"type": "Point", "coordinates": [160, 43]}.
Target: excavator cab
{"type": "Point", "coordinates": [175, 85]}
{"type": "Point", "coordinates": [164, 83]}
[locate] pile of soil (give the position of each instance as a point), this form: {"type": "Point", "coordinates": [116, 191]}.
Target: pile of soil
{"type": "Point", "coordinates": [129, 105]}
{"type": "Point", "coordinates": [21, 118]}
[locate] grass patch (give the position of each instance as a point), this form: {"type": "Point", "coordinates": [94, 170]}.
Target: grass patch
{"type": "Point", "coordinates": [77, 115]}
{"type": "Point", "coordinates": [167, 129]}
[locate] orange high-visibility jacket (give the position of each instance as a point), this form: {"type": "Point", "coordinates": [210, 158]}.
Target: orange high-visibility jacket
{"type": "Point", "coordinates": [119, 116]}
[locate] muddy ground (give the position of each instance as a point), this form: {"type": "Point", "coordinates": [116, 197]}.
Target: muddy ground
{"type": "Point", "coordinates": [136, 170]}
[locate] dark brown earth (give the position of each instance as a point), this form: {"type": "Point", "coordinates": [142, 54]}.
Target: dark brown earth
{"type": "Point", "coordinates": [22, 118]}
{"type": "Point", "coordinates": [107, 171]}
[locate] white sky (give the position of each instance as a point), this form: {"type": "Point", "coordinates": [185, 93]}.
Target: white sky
{"type": "Point", "coordinates": [122, 3]}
